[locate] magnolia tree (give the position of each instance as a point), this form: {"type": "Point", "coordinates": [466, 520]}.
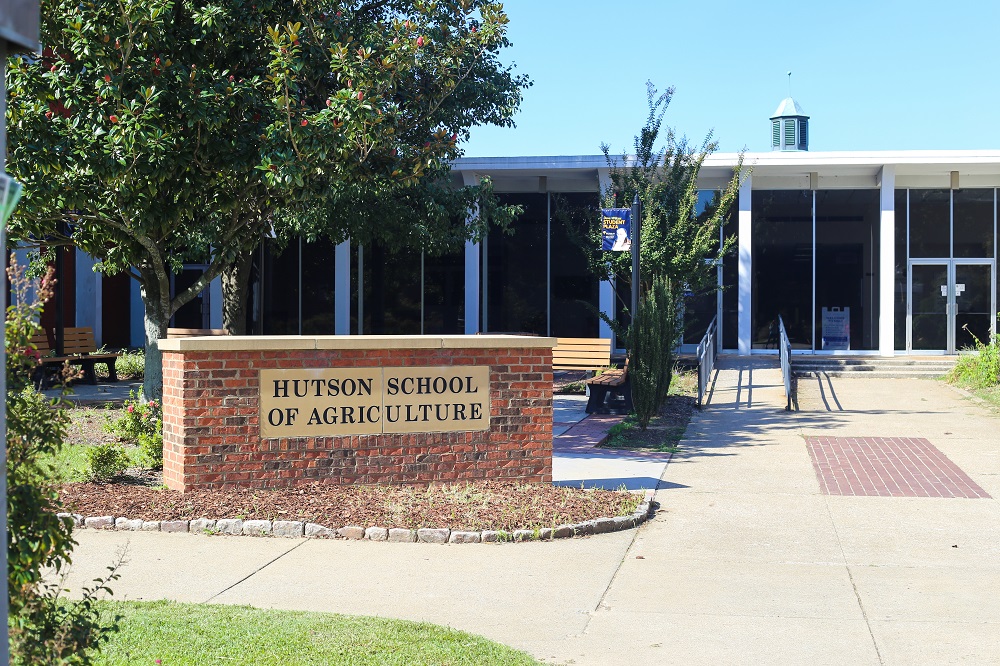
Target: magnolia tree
{"type": "Point", "coordinates": [679, 246]}
{"type": "Point", "coordinates": [151, 133]}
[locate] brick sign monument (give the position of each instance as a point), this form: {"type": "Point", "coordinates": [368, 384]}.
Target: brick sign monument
{"type": "Point", "coordinates": [266, 412]}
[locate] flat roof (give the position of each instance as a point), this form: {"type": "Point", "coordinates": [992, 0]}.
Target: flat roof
{"type": "Point", "coordinates": [913, 168]}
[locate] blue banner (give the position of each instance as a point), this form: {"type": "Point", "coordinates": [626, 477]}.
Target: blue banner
{"type": "Point", "coordinates": [616, 229]}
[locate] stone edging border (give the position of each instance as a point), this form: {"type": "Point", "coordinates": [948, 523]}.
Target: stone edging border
{"type": "Point", "coordinates": [296, 529]}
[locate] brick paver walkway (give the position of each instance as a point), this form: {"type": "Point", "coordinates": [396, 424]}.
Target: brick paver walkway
{"type": "Point", "coordinates": [888, 467]}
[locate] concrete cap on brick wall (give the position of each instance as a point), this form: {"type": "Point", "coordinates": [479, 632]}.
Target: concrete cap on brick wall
{"type": "Point", "coordinates": [284, 342]}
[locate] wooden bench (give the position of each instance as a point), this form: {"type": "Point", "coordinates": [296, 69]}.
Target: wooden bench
{"type": "Point", "coordinates": [173, 333]}
{"type": "Point", "coordinates": [581, 354]}
{"type": "Point", "coordinates": [613, 382]}
{"type": "Point", "coordinates": [79, 348]}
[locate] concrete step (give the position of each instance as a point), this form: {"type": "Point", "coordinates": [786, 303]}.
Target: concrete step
{"type": "Point", "coordinates": [898, 367]}
{"type": "Point", "coordinates": [874, 374]}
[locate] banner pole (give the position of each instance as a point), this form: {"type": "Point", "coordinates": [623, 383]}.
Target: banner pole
{"type": "Point", "coordinates": [635, 256]}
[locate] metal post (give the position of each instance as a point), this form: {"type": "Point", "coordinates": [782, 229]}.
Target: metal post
{"type": "Point", "coordinates": [635, 256]}
{"type": "Point", "coordinates": [60, 302]}
{"type": "Point", "coordinates": [4, 596]}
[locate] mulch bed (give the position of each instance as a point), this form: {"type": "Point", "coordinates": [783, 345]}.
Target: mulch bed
{"type": "Point", "coordinates": [664, 431]}
{"type": "Point", "coordinates": [482, 506]}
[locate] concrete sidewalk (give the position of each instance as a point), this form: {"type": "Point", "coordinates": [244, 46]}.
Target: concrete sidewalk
{"type": "Point", "coordinates": [747, 561]}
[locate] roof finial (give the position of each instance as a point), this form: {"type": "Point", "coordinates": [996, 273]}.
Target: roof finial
{"type": "Point", "coordinates": [789, 83]}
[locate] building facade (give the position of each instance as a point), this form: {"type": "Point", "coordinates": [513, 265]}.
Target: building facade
{"type": "Point", "coordinates": [880, 253]}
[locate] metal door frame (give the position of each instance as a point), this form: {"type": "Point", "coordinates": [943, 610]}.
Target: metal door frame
{"type": "Point", "coordinates": [951, 305]}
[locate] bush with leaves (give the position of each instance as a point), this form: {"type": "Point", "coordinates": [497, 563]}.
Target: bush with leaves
{"type": "Point", "coordinates": [654, 334]}
{"type": "Point", "coordinates": [980, 370]}
{"type": "Point", "coordinates": [43, 627]}
{"type": "Point", "coordinates": [141, 424]}
{"type": "Point", "coordinates": [106, 461]}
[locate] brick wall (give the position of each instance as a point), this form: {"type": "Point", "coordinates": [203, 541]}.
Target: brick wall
{"type": "Point", "coordinates": [211, 433]}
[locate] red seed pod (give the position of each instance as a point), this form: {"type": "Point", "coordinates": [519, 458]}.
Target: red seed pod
{"type": "Point", "coordinates": [304, 122]}
{"type": "Point", "coordinates": [113, 118]}
{"type": "Point", "coordinates": [420, 41]}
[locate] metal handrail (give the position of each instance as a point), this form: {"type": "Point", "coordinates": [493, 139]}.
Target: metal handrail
{"type": "Point", "coordinates": [785, 351]}
{"type": "Point", "coordinates": [708, 349]}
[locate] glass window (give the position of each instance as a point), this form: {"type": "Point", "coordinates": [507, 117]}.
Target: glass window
{"type": "Point", "coordinates": [782, 267]}
{"type": "Point", "coordinates": [318, 286]}
{"type": "Point", "coordinates": [516, 269]}
{"type": "Point", "coordinates": [575, 289]}
{"type": "Point", "coordinates": [930, 223]}
{"type": "Point", "coordinates": [731, 283]}
{"type": "Point", "coordinates": [899, 279]}
{"type": "Point", "coordinates": [702, 306]}
{"type": "Point", "coordinates": [847, 259]}
{"type": "Point", "coordinates": [973, 223]}
{"type": "Point", "coordinates": [392, 289]}
{"type": "Point", "coordinates": [444, 294]}
{"type": "Point", "coordinates": [280, 289]}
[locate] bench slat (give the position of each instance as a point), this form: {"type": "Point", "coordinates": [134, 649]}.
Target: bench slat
{"type": "Point", "coordinates": [581, 353]}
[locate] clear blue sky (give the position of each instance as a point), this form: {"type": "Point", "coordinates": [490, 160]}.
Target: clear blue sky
{"type": "Point", "coordinates": [871, 74]}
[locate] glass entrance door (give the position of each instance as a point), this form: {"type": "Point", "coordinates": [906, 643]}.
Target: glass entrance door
{"type": "Point", "coordinates": [950, 302]}
{"type": "Point", "coordinates": [974, 303]}
{"type": "Point", "coordinates": [928, 303]}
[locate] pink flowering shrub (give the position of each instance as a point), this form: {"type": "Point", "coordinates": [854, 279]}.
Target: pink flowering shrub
{"type": "Point", "coordinates": [141, 425]}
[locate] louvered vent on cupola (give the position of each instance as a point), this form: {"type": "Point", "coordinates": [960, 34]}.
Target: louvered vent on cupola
{"type": "Point", "coordinates": [789, 127]}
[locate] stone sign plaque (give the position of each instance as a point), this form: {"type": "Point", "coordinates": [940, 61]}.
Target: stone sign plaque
{"type": "Point", "coordinates": [367, 401]}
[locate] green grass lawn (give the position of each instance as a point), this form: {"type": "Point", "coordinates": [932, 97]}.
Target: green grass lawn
{"type": "Point", "coordinates": [210, 634]}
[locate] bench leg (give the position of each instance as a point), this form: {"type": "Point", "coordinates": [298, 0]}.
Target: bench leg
{"type": "Point", "coordinates": [598, 394]}
{"type": "Point", "coordinates": [89, 376]}
{"type": "Point", "coordinates": [626, 390]}
{"type": "Point", "coordinates": [112, 373]}
{"type": "Point", "coordinates": [38, 377]}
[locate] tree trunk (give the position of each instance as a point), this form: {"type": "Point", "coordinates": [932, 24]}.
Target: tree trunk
{"type": "Point", "coordinates": [235, 293]}
{"type": "Point", "coordinates": [155, 323]}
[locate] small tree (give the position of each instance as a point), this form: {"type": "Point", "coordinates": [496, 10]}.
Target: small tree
{"type": "Point", "coordinates": [679, 248]}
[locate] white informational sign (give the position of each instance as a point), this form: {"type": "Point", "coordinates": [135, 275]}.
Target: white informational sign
{"type": "Point", "coordinates": [836, 328]}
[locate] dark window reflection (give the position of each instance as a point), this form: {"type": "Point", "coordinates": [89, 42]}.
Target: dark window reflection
{"type": "Point", "coordinates": [847, 257]}
{"type": "Point", "coordinates": [575, 289]}
{"type": "Point", "coordinates": [973, 223]}
{"type": "Point", "coordinates": [516, 265]}
{"type": "Point", "coordinates": [392, 288]}
{"type": "Point", "coordinates": [730, 283]}
{"type": "Point", "coordinates": [930, 223]}
{"type": "Point", "coordinates": [444, 294]}
{"type": "Point", "coordinates": [782, 267]}
{"type": "Point", "coordinates": [702, 304]}
{"type": "Point", "coordinates": [318, 286]}
{"type": "Point", "coordinates": [899, 279]}
{"type": "Point", "coordinates": [280, 289]}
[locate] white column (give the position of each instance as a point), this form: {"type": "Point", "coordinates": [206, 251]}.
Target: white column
{"type": "Point", "coordinates": [23, 257]}
{"type": "Point", "coordinates": [342, 289]}
{"type": "Point", "coordinates": [215, 303]}
{"type": "Point", "coordinates": [473, 261]}
{"type": "Point", "coordinates": [743, 320]}
{"type": "Point", "coordinates": [88, 295]}
{"type": "Point", "coordinates": [887, 263]}
{"type": "Point", "coordinates": [473, 264]}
